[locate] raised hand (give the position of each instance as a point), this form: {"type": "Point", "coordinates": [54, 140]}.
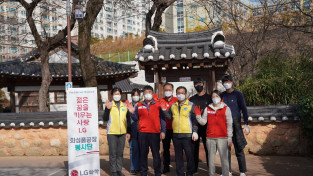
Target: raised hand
{"type": "Point", "coordinates": [127, 102]}
{"type": "Point", "coordinates": [156, 97]}
{"type": "Point", "coordinates": [108, 104]}
{"type": "Point", "coordinates": [197, 110]}
{"type": "Point", "coordinates": [131, 108]}
{"type": "Point", "coordinates": [163, 105]}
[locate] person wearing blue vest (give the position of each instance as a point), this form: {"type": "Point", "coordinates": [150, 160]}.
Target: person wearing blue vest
{"type": "Point", "coordinates": [234, 99]}
{"type": "Point", "coordinates": [118, 128]}
{"type": "Point", "coordinates": [133, 142]}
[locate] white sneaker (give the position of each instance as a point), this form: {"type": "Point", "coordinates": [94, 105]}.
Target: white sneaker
{"type": "Point", "coordinates": [230, 174]}
{"type": "Point", "coordinates": [242, 174]}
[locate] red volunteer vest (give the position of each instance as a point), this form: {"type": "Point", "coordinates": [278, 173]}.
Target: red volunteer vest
{"type": "Point", "coordinates": [217, 126]}
{"type": "Point", "coordinates": [149, 121]}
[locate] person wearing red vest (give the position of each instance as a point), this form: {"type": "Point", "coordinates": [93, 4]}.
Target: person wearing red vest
{"type": "Point", "coordinates": [151, 127]}
{"type": "Point", "coordinates": [168, 99]}
{"type": "Point", "coordinates": [219, 121]}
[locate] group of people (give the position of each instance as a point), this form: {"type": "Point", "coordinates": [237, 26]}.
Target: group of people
{"type": "Point", "coordinates": [215, 118]}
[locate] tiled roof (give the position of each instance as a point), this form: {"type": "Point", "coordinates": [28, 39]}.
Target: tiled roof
{"type": "Point", "coordinates": [22, 67]}
{"type": "Point", "coordinates": [209, 44]}
{"type": "Point", "coordinates": [127, 86]}
{"type": "Point", "coordinates": [257, 114]}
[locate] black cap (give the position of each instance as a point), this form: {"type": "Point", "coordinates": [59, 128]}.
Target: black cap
{"type": "Point", "coordinates": [227, 78]}
{"type": "Point", "coordinates": [198, 80]}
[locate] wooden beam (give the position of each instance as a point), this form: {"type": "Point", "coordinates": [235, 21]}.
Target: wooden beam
{"type": "Point", "coordinates": [190, 65]}
{"type": "Point", "coordinates": [202, 65]}
{"type": "Point", "coordinates": [142, 67]}
{"type": "Point", "coordinates": [226, 63]}
{"type": "Point", "coordinates": [166, 66]}
{"type": "Point", "coordinates": [155, 67]}
{"type": "Point", "coordinates": [178, 65]}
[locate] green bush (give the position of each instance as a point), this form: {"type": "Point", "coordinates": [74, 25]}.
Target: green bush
{"type": "Point", "coordinates": [305, 112]}
{"type": "Point", "coordinates": [280, 80]}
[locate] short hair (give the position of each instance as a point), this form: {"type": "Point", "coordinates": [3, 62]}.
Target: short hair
{"type": "Point", "coordinates": [147, 88]}
{"type": "Point", "coordinates": [181, 87]}
{"type": "Point", "coordinates": [227, 78]}
{"type": "Point", "coordinates": [198, 80]}
{"type": "Point", "coordinates": [168, 84]}
{"type": "Point", "coordinates": [115, 89]}
{"type": "Point", "coordinates": [134, 91]}
{"type": "Point", "coordinates": [219, 93]}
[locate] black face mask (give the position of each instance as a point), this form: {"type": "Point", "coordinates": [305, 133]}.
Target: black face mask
{"type": "Point", "coordinates": [199, 88]}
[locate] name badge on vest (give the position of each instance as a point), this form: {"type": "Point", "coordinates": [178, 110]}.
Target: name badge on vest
{"type": "Point", "coordinates": [186, 108]}
{"type": "Point", "coordinates": [142, 107]}
{"type": "Point", "coordinates": [123, 109]}
{"type": "Point", "coordinates": [211, 112]}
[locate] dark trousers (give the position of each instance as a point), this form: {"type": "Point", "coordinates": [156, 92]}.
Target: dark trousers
{"type": "Point", "coordinates": [166, 148]}
{"type": "Point", "coordinates": [183, 145]}
{"type": "Point", "coordinates": [151, 140]}
{"type": "Point", "coordinates": [134, 154]}
{"type": "Point", "coordinates": [240, 154]}
{"type": "Point", "coordinates": [116, 149]}
{"type": "Point", "coordinates": [202, 136]}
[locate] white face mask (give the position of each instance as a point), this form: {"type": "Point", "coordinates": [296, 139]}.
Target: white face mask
{"type": "Point", "coordinates": [135, 98]}
{"type": "Point", "coordinates": [228, 85]}
{"type": "Point", "coordinates": [148, 97]}
{"type": "Point", "coordinates": [216, 100]}
{"type": "Point", "coordinates": [181, 97]}
{"type": "Point", "coordinates": [168, 93]}
{"type": "Point", "coordinates": [116, 97]}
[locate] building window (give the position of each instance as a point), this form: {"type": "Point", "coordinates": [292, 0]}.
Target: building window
{"type": "Point", "coordinates": [2, 49]}
{"type": "Point", "coordinates": [180, 16]}
{"type": "Point", "coordinates": [60, 97]}
{"type": "Point", "coordinates": [14, 50]}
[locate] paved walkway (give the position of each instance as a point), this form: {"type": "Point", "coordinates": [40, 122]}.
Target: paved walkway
{"type": "Point", "coordinates": [257, 165]}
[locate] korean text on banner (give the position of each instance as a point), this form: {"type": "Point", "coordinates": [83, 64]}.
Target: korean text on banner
{"type": "Point", "coordinates": [83, 134]}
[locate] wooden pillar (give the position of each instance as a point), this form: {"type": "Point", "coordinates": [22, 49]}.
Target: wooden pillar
{"type": "Point", "coordinates": [110, 87]}
{"type": "Point", "coordinates": [158, 87]}
{"type": "Point", "coordinates": [214, 79]}
{"type": "Point", "coordinates": [12, 100]}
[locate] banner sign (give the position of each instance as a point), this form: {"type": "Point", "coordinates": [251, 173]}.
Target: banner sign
{"type": "Point", "coordinates": [83, 132]}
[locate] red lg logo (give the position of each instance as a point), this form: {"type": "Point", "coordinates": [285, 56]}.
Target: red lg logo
{"type": "Point", "coordinates": [74, 173]}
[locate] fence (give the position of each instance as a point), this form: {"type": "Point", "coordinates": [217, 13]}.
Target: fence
{"type": "Point", "coordinates": [119, 57]}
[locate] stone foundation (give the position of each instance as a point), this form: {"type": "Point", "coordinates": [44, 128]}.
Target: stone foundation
{"type": "Point", "coordinates": [265, 139]}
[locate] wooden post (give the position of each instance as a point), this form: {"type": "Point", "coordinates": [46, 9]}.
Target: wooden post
{"type": "Point", "coordinates": [110, 87]}
{"type": "Point", "coordinates": [12, 100]}
{"type": "Point", "coordinates": [213, 79]}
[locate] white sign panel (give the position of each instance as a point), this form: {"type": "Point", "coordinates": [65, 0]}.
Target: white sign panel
{"type": "Point", "coordinates": [83, 134]}
{"type": "Point", "coordinates": [185, 79]}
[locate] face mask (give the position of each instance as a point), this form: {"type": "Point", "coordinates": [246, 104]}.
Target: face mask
{"type": "Point", "coordinates": [168, 93]}
{"type": "Point", "coordinates": [228, 85]}
{"type": "Point", "coordinates": [116, 97]}
{"type": "Point", "coordinates": [216, 100]}
{"type": "Point", "coordinates": [148, 97]}
{"type": "Point", "coordinates": [181, 97]}
{"type": "Point", "coordinates": [135, 98]}
{"type": "Point", "coordinates": [199, 88]}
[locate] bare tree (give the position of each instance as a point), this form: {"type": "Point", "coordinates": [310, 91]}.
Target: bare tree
{"type": "Point", "coordinates": [45, 43]}
{"type": "Point", "coordinates": [157, 10]}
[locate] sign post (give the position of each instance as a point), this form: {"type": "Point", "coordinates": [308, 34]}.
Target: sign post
{"type": "Point", "coordinates": [83, 134]}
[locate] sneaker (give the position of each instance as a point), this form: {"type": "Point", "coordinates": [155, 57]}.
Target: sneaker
{"type": "Point", "coordinates": [133, 172]}
{"type": "Point", "coordinates": [242, 174]}
{"type": "Point", "coordinates": [230, 174]}
{"type": "Point", "coordinates": [119, 173]}
{"type": "Point", "coordinates": [166, 170]}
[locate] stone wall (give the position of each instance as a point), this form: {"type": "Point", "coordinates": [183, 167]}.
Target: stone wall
{"type": "Point", "coordinates": [275, 138]}
{"type": "Point", "coordinates": [265, 139]}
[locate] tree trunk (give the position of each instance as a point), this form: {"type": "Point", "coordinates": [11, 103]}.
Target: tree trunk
{"type": "Point", "coordinates": [158, 18]}
{"type": "Point", "coordinates": [46, 80]}
{"type": "Point", "coordinates": [87, 64]}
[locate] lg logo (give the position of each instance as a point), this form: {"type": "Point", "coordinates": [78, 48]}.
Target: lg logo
{"type": "Point", "coordinates": [74, 173]}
